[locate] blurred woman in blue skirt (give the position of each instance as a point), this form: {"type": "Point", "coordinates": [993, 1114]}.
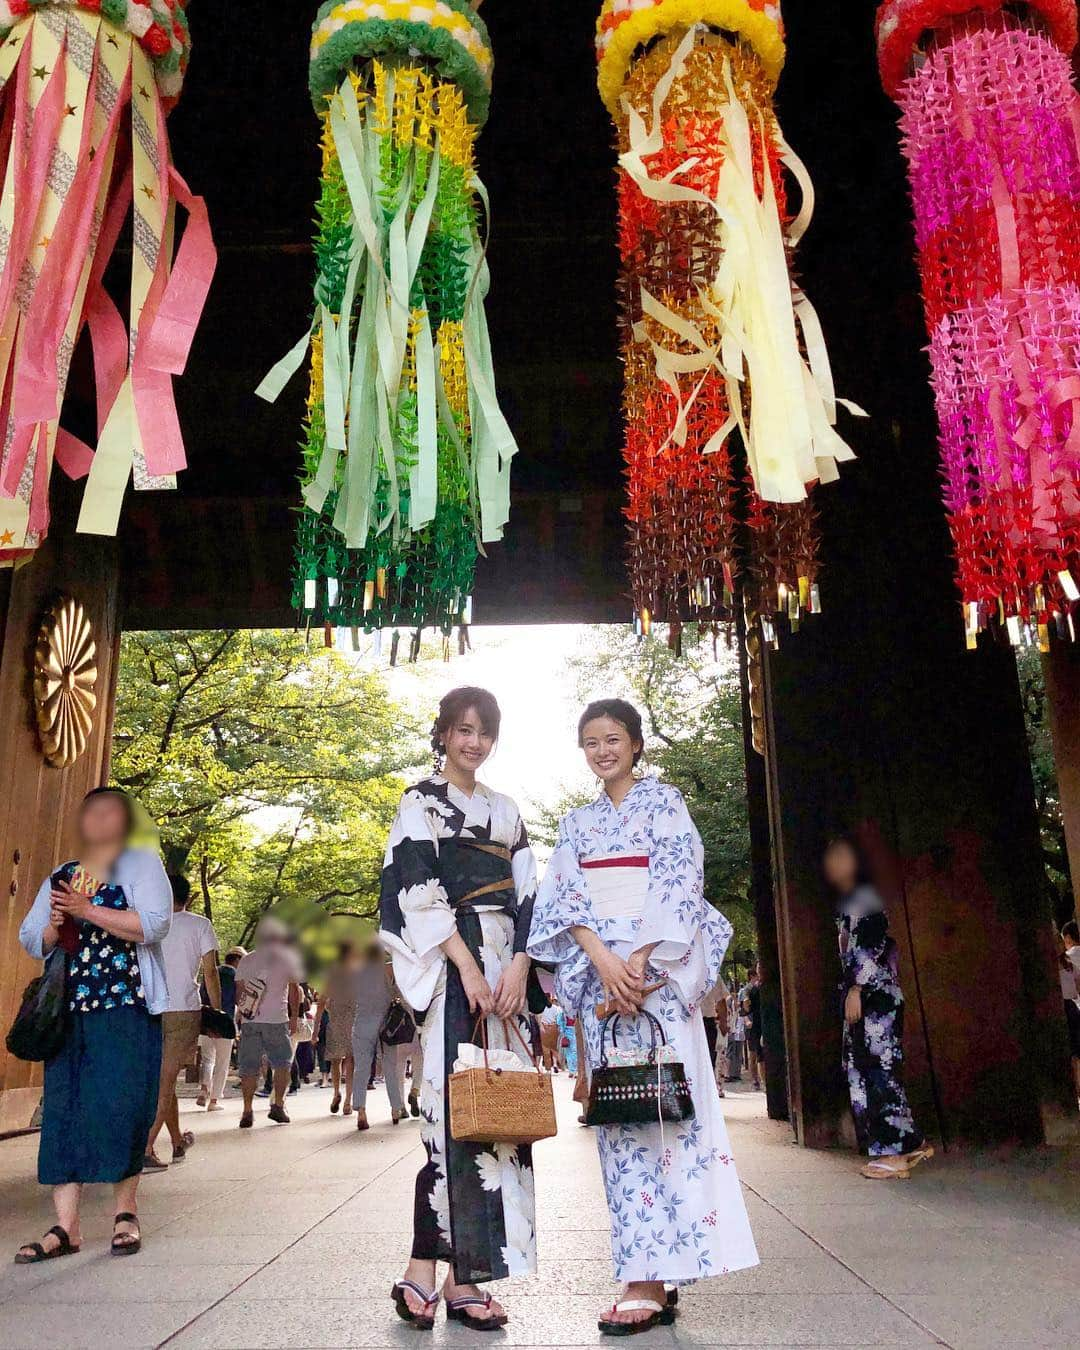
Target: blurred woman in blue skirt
{"type": "Point", "coordinates": [107, 913]}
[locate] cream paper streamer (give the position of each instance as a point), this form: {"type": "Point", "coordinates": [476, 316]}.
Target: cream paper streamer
{"type": "Point", "coordinates": [790, 435]}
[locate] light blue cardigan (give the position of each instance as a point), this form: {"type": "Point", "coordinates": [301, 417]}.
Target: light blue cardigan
{"type": "Point", "coordinates": [141, 876]}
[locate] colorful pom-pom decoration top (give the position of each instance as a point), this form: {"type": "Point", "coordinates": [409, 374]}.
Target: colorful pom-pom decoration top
{"type": "Point", "coordinates": [716, 339]}
{"type": "Point", "coordinates": [989, 123]}
{"type": "Point", "coordinates": [85, 88]}
{"type": "Point", "coordinates": [406, 452]}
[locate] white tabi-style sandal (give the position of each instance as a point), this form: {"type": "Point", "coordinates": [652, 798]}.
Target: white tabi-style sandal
{"type": "Point", "coordinates": [660, 1316]}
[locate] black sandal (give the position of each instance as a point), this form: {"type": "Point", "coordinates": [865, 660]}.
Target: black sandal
{"type": "Point", "coordinates": [456, 1311]}
{"type": "Point", "coordinates": [126, 1244]}
{"type": "Point", "coordinates": [35, 1252]}
{"type": "Point", "coordinates": [660, 1315]}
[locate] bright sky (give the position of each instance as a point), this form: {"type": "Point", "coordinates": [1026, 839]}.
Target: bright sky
{"type": "Point", "coordinates": [526, 669]}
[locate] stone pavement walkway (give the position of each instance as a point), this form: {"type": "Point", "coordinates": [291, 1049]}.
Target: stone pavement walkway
{"type": "Point", "coordinates": [292, 1236]}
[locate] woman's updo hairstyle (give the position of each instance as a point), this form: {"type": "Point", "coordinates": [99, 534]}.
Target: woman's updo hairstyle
{"type": "Point", "coordinates": [453, 707]}
{"type": "Point", "coordinates": [619, 711]}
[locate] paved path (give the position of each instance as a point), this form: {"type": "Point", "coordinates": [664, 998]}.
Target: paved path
{"type": "Point", "coordinates": [292, 1236]}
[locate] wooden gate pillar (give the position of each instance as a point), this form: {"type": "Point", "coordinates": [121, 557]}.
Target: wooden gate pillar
{"type": "Point", "coordinates": [37, 800]}
{"type": "Point", "coordinates": [879, 722]}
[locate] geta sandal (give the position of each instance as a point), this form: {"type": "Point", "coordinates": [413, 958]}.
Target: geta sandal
{"type": "Point", "coordinates": [660, 1316]}
{"type": "Point", "coordinates": [457, 1311]}
{"type": "Point", "coordinates": [878, 1169]}
{"type": "Point", "coordinates": [423, 1321]}
{"type": "Point", "coordinates": [125, 1244]}
{"type": "Point", "coordinates": [30, 1253]}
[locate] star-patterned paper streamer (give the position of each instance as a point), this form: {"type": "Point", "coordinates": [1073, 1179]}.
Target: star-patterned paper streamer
{"type": "Point", "coordinates": [716, 338]}
{"type": "Point", "coordinates": [85, 91]}
{"type": "Point", "coordinates": [990, 125]}
{"type": "Point", "coordinates": [406, 452]}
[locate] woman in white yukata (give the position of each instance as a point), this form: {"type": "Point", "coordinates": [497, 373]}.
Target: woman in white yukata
{"type": "Point", "coordinates": [621, 908]}
{"type": "Point", "coordinates": [457, 892]}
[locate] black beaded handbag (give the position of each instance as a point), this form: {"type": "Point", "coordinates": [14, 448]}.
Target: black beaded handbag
{"type": "Point", "coordinates": [638, 1094]}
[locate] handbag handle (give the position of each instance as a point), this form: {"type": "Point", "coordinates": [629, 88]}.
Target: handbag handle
{"type": "Point", "coordinates": [655, 1031]}
{"type": "Point", "coordinates": [508, 1024]}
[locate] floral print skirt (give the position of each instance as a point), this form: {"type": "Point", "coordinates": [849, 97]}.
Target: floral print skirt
{"type": "Point", "coordinates": [475, 1204]}
{"type": "Point", "coordinates": [676, 1205]}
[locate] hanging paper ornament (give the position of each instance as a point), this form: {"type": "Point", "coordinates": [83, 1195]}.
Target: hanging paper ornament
{"type": "Point", "coordinates": [715, 336]}
{"type": "Point", "coordinates": [85, 91]}
{"type": "Point", "coordinates": [406, 452]}
{"type": "Point", "coordinates": [989, 123]}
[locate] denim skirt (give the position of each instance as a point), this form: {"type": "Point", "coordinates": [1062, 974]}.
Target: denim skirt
{"type": "Point", "coordinates": [101, 1095]}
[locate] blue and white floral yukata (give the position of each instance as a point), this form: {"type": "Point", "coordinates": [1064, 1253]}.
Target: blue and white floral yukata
{"type": "Point", "coordinates": [677, 1211]}
{"type": "Point", "coordinates": [874, 1046]}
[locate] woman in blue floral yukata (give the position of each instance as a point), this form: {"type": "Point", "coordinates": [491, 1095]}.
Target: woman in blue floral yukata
{"type": "Point", "coordinates": [622, 907]}
{"type": "Point", "coordinates": [873, 1021]}
{"type": "Point", "coordinates": [104, 916]}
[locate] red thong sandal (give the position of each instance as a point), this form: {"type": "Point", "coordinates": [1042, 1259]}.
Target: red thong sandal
{"type": "Point", "coordinates": [456, 1311]}
{"type": "Point", "coordinates": [423, 1321]}
{"type": "Point", "coordinates": [659, 1316]}
{"type": "Point", "coordinates": [30, 1253]}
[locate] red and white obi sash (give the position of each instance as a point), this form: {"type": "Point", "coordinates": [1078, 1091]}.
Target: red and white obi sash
{"type": "Point", "coordinates": [618, 884]}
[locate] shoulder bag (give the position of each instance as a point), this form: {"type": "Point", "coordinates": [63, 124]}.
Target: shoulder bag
{"type": "Point", "coordinates": [41, 1024]}
{"type": "Point", "coordinates": [398, 1027]}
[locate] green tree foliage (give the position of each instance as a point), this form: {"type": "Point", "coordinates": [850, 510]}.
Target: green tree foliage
{"type": "Point", "coordinates": [691, 708]}
{"type": "Point", "coordinates": [272, 769]}
{"type": "Point", "coordinates": [1044, 773]}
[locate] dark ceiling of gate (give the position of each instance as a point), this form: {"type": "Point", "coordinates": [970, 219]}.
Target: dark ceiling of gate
{"type": "Point", "coordinates": [218, 550]}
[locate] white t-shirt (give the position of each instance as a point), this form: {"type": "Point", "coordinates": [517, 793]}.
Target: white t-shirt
{"type": "Point", "coordinates": [1072, 955]}
{"type": "Point", "coordinates": [279, 966]}
{"type": "Point", "coordinates": [188, 940]}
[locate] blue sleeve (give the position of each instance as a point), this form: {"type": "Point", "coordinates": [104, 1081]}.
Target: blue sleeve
{"type": "Point", "coordinates": [150, 895]}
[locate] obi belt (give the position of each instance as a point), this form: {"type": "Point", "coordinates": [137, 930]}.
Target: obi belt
{"type": "Point", "coordinates": [477, 873]}
{"type": "Point", "coordinates": [618, 884]}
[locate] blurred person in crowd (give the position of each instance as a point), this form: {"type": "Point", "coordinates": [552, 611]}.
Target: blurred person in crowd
{"type": "Point", "coordinates": [303, 1065]}
{"type": "Point", "coordinates": [750, 998]}
{"type": "Point", "coordinates": [190, 950]}
{"type": "Point", "coordinates": [338, 1001]}
{"type": "Point", "coordinates": [549, 1035]}
{"type": "Point", "coordinates": [108, 913]}
{"type": "Point", "coordinates": [736, 1039]}
{"type": "Point", "coordinates": [1070, 992]}
{"type": "Point", "coordinates": [873, 1042]}
{"type": "Point", "coordinates": [373, 993]}
{"type": "Point", "coordinates": [711, 1004]}
{"type": "Point", "coordinates": [268, 1004]}
{"type": "Point", "coordinates": [215, 1052]}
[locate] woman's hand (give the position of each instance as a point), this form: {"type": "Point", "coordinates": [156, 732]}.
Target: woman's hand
{"type": "Point", "coordinates": [477, 989]}
{"type": "Point", "coordinates": [622, 984]}
{"type": "Point", "coordinates": [65, 901]}
{"type": "Point", "coordinates": [510, 991]}
{"type": "Point", "coordinates": [639, 961]}
{"type": "Point", "coordinates": [853, 1005]}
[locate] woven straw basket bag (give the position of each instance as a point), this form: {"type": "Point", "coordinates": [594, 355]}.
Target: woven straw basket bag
{"type": "Point", "coordinates": [490, 1106]}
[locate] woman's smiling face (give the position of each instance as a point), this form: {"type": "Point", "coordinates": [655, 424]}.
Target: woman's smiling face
{"type": "Point", "coordinates": [467, 743]}
{"type": "Point", "coordinates": [609, 749]}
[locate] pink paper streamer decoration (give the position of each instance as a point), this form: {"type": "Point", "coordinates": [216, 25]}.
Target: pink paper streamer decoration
{"type": "Point", "coordinates": [990, 126]}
